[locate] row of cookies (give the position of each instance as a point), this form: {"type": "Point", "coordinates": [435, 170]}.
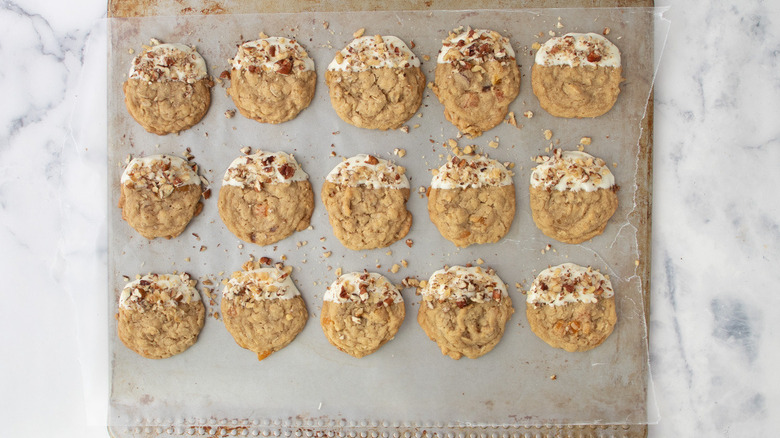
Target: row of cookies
{"type": "Point", "coordinates": [266, 196]}
{"type": "Point", "coordinates": [463, 309]}
{"type": "Point", "coordinates": [375, 82]}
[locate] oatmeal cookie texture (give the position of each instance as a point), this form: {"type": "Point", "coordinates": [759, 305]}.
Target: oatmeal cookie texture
{"type": "Point", "coordinates": [262, 309]}
{"type": "Point", "coordinates": [361, 311]}
{"type": "Point", "coordinates": [571, 307]}
{"type": "Point", "coordinates": [168, 89]}
{"type": "Point", "coordinates": [272, 79]}
{"type": "Point", "coordinates": [366, 202]}
{"type": "Point", "coordinates": [472, 200]}
{"type": "Point", "coordinates": [465, 310]}
{"type": "Point", "coordinates": [572, 195]}
{"type": "Point", "coordinates": [160, 315]}
{"type": "Point", "coordinates": [476, 79]}
{"type": "Point", "coordinates": [265, 197]}
{"type": "Point", "coordinates": [160, 194]}
{"type": "Point", "coordinates": [375, 82]}
{"type": "Point", "coordinates": [577, 75]}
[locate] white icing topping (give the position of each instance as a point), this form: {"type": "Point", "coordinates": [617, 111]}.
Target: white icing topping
{"type": "Point", "coordinates": [160, 173]}
{"type": "Point", "coordinates": [360, 286]}
{"type": "Point", "coordinates": [252, 171]}
{"type": "Point", "coordinates": [575, 49]}
{"type": "Point", "coordinates": [475, 46]}
{"type": "Point", "coordinates": [471, 171]}
{"type": "Point", "coordinates": [153, 291]}
{"type": "Point", "coordinates": [272, 54]}
{"type": "Point", "coordinates": [464, 284]}
{"type": "Point", "coordinates": [261, 284]}
{"type": "Point", "coordinates": [571, 170]}
{"type": "Point", "coordinates": [169, 62]}
{"type": "Point", "coordinates": [367, 170]}
{"type": "Point", "coordinates": [374, 52]}
{"type": "Point", "coordinates": [569, 283]}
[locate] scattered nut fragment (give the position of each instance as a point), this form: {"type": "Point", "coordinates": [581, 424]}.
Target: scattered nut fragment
{"type": "Point", "coordinates": [399, 152]}
{"type": "Point", "coordinates": [547, 134]}
{"type": "Point", "coordinates": [325, 24]}
{"type": "Point", "coordinates": [130, 51]}
{"type": "Point", "coordinates": [493, 144]}
{"type": "Point", "coordinates": [229, 114]}
{"type": "Point", "coordinates": [586, 141]}
{"type": "Point", "coordinates": [511, 119]}
{"type": "Point", "coordinates": [536, 46]}
{"type": "Point", "coordinates": [404, 263]}
{"type": "Point", "coordinates": [480, 261]}
{"type": "Point", "coordinates": [468, 150]}
{"type": "Point", "coordinates": [327, 254]}
{"type": "Point", "coordinates": [359, 33]}
{"type": "Point", "coordinates": [551, 33]}
{"type": "Point", "coordinates": [409, 242]}
{"type": "Point", "coordinates": [636, 262]}
{"type": "Point", "coordinates": [405, 129]}
{"type": "Point", "coordinates": [246, 150]}
{"type": "Point", "coordinates": [202, 248]}
{"type": "Point", "coordinates": [395, 268]}
{"type": "Point", "coordinates": [606, 31]}
{"type": "Point", "coordinates": [553, 377]}
{"type": "Point", "coordinates": [426, 58]}
{"type": "Point", "coordinates": [338, 272]}
{"type": "Point", "coordinates": [528, 114]}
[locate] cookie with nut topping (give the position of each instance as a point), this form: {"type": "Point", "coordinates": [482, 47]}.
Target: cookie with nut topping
{"type": "Point", "coordinates": [265, 197]}
{"type": "Point", "coordinates": [476, 79]}
{"type": "Point", "coordinates": [465, 310]}
{"type": "Point", "coordinates": [160, 315]}
{"type": "Point", "coordinates": [472, 200]}
{"type": "Point", "coordinates": [375, 82]}
{"type": "Point", "coordinates": [272, 79]}
{"type": "Point", "coordinates": [361, 311]}
{"type": "Point", "coordinates": [577, 75]}
{"type": "Point", "coordinates": [366, 199]}
{"type": "Point", "coordinates": [572, 195]}
{"type": "Point", "coordinates": [262, 308]}
{"type": "Point", "coordinates": [160, 194]}
{"type": "Point", "coordinates": [571, 307]}
{"type": "Point", "coordinates": [168, 88]}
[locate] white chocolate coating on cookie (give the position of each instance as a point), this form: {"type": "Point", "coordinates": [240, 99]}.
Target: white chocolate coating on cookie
{"type": "Point", "coordinates": [261, 284]}
{"type": "Point", "coordinates": [377, 51]}
{"type": "Point", "coordinates": [169, 62]}
{"type": "Point", "coordinates": [461, 283]}
{"type": "Point", "coordinates": [571, 170]}
{"type": "Point", "coordinates": [575, 49]}
{"type": "Point", "coordinates": [152, 290]}
{"type": "Point", "coordinates": [369, 171]}
{"type": "Point", "coordinates": [569, 283]}
{"type": "Point", "coordinates": [471, 171]}
{"type": "Point", "coordinates": [271, 55]}
{"type": "Point", "coordinates": [159, 173]}
{"type": "Point", "coordinates": [475, 46]}
{"type": "Point", "coordinates": [252, 171]}
{"type": "Point", "coordinates": [358, 286]}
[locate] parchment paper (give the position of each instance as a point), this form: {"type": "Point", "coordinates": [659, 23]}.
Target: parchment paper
{"type": "Point", "coordinates": [408, 384]}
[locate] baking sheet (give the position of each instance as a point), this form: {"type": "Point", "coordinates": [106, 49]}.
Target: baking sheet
{"type": "Point", "coordinates": [407, 384]}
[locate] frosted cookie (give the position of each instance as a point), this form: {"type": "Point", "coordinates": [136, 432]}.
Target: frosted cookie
{"type": "Point", "coordinates": [571, 307]}
{"type": "Point", "coordinates": [168, 88]}
{"type": "Point", "coordinates": [263, 309]}
{"type": "Point", "coordinates": [160, 315]}
{"type": "Point", "coordinates": [265, 197]}
{"type": "Point", "coordinates": [472, 200]}
{"type": "Point", "coordinates": [366, 199]}
{"type": "Point", "coordinates": [272, 79]}
{"type": "Point", "coordinates": [160, 194]}
{"type": "Point", "coordinates": [361, 311]}
{"type": "Point", "coordinates": [572, 195]}
{"type": "Point", "coordinates": [476, 79]}
{"type": "Point", "coordinates": [577, 75]}
{"type": "Point", "coordinates": [465, 310]}
{"type": "Point", "coordinates": [375, 82]}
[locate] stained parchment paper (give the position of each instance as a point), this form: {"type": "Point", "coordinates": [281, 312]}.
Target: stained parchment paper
{"type": "Point", "coordinates": [408, 384]}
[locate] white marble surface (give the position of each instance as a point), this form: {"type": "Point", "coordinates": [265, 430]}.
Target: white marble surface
{"type": "Point", "coordinates": [716, 220]}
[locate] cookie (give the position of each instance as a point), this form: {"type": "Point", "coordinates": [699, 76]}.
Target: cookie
{"type": "Point", "coordinates": [375, 82]}
{"type": "Point", "coordinates": [265, 197]}
{"type": "Point", "coordinates": [577, 75]}
{"type": "Point", "coordinates": [571, 307]}
{"type": "Point", "coordinates": [366, 199]}
{"type": "Point", "coordinates": [160, 315]}
{"type": "Point", "coordinates": [168, 89]}
{"type": "Point", "coordinates": [160, 194]}
{"type": "Point", "coordinates": [476, 79]}
{"type": "Point", "coordinates": [472, 200]}
{"type": "Point", "coordinates": [465, 310]}
{"type": "Point", "coordinates": [361, 311]}
{"type": "Point", "coordinates": [572, 196]}
{"type": "Point", "coordinates": [272, 79]}
{"type": "Point", "coordinates": [262, 309]}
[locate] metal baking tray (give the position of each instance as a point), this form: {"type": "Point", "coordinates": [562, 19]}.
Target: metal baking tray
{"type": "Point", "coordinates": [407, 388]}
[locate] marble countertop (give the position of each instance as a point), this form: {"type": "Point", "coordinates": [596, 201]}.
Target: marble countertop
{"type": "Point", "coordinates": [716, 232]}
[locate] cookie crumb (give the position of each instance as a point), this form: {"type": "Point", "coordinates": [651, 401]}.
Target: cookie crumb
{"type": "Point", "coordinates": [325, 25]}
{"type": "Point", "coordinates": [547, 134]}
{"type": "Point", "coordinates": [493, 144]}
{"type": "Point", "coordinates": [636, 262]}
{"type": "Point", "coordinates": [229, 114]}
{"type": "Point", "coordinates": [327, 254]}
{"type": "Point", "coordinates": [536, 46]}
{"type": "Point", "coordinates": [480, 261]}
{"type": "Point", "coordinates": [130, 51]}
{"type": "Point", "coordinates": [359, 33]}
{"type": "Point", "coordinates": [395, 268]}
{"type": "Point", "coordinates": [586, 141]}
{"type": "Point", "coordinates": [339, 272]}
{"type": "Point", "coordinates": [404, 263]}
